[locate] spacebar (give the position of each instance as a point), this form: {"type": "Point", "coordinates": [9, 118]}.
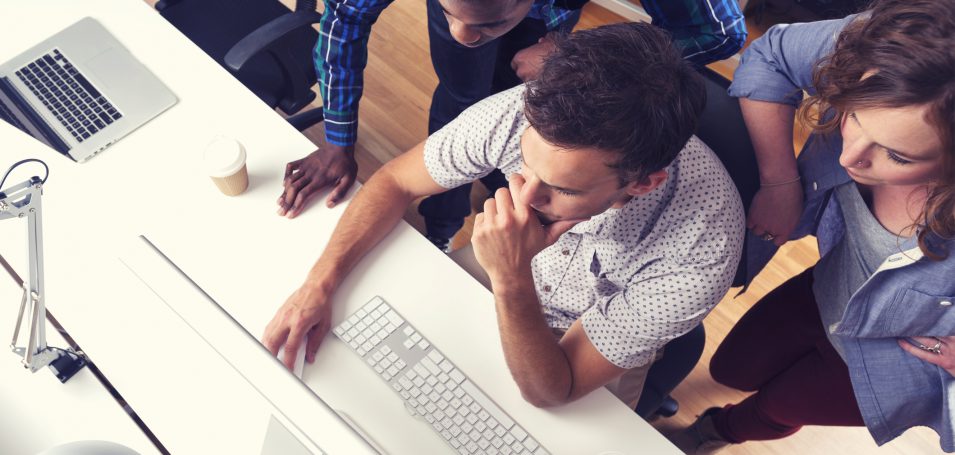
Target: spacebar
{"type": "Point", "coordinates": [490, 406]}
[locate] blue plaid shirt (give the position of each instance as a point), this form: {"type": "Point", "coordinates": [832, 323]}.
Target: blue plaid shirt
{"type": "Point", "coordinates": [706, 30]}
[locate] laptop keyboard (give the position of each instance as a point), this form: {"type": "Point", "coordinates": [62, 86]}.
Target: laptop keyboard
{"type": "Point", "coordinates": [431, 386]}
{"type": "Point", "coordinates": [68, 95]}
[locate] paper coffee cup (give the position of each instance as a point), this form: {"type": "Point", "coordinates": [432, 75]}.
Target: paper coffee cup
{"type": "Point", "coordinates": [225, 163]}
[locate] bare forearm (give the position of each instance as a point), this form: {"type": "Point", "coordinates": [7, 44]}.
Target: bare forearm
{"type": "Point", "coordinates": [371, 215]}
{"type": "Point", "coordinates": [770, 128]}
{"type": "Point", "coordinates": [536, 361]}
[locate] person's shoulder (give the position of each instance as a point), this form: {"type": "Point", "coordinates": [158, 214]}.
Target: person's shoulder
{"type": "Point", "coordinates": [510, 99]}
{"type": "Point", "coordinates": [698, 162]}
{"type": "Point", "coordinates": [704, 205]}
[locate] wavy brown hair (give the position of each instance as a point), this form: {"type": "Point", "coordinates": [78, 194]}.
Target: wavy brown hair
{"type": "Point", "coordinates": [899, 53]}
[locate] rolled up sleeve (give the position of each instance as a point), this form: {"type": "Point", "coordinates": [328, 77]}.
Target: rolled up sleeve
{"type": "Point", "coordinates": [778, 66]}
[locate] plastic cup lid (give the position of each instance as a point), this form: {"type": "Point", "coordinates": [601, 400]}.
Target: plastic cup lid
{"type": "Point", "coordinates": [223, 157]}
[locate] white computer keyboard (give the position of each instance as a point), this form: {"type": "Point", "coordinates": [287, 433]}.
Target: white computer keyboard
{"type": "Point", "coordinates": [431, 386]}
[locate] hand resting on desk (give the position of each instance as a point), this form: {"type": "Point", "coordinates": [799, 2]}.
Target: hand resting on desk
{"type": "Point", "coordinates": [330, 166]}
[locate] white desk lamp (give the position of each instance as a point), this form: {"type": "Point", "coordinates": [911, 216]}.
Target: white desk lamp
{"type": "Point", "coordinates": [23, 201]}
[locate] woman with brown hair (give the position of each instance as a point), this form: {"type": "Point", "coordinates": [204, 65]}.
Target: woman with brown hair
{"type": "Point", "coordinates": [865, 337]}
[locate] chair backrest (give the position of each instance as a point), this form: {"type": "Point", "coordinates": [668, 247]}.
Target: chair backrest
{"type": "Point", "coordinates": [216, 26]}
{"type": "Point", "coordinates": [722, 128]}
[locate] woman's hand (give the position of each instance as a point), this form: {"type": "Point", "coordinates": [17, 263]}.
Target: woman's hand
{"type": "Point", "coordinates": [935, 350]}
{"type": "Point", "coordinates": [774, 212]}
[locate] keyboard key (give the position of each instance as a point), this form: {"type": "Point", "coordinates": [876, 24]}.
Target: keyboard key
{"type": "Point", "coordinates": [435, 356]}
{"type": "Point", "coordinates": [430, 366]}
{"type": "Point", "coordinates": [394, 318]}
{"type": "Point", "coordinates": [86, 85]}
{"type": "Point", "coordinates": [519, 433]}
{"type": "Point", "coordinates": [500, 431]}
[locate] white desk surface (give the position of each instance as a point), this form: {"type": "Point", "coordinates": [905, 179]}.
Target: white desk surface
{"type": "Point", "coordinates": [249, 260]}
{"type": "Point", "coordinates": [37, 412]}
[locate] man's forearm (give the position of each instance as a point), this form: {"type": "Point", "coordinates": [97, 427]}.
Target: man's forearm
{"type": "Point", "coordinates": [341, 55]}
{"type": "Point", "coordinates": [704, 31]}
{"type": "Point", "coordinates": [370, 216]}
{"type": "Point", "coordinates": [538, 364]}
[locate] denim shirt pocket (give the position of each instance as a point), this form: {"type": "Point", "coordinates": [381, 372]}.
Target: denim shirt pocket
{"type": "Point", "coordinates": [918, 313]}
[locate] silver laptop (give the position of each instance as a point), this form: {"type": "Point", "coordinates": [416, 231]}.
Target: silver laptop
{"type": "Point", "coordinates": [80, 91]}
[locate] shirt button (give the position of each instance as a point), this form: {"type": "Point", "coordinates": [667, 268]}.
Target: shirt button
{"type": "Point", "coordinates": [815, 186]}
{"type": "Point", "coordinates": [565, 252]}
{"type": "Point", "coordinates": [546, 288]}
{"type": "Point", "coordinates": [945, 303]}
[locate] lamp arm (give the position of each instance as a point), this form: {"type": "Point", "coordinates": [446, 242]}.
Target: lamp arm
{"type": "Point", "coordinates": [24, 201]}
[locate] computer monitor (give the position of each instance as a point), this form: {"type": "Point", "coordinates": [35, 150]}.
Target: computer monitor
{"type": "Point", "coordinates": [301, 422]}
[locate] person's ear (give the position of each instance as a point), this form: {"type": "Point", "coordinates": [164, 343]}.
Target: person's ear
{"type": "Point", "coordinates": [648, 184]}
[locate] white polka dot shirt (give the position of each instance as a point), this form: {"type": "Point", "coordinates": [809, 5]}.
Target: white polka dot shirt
{"type": "Point", "coordinates": [638, 276]}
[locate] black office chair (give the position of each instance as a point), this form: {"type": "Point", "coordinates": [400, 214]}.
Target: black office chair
{"type": "Point", "coordinates": [721, 127]}
{"type": "Point", "coordinates": [262, 43]}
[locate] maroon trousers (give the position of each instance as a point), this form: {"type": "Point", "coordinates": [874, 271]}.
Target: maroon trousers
{"type": "Point", "coordinates": [779, 351]}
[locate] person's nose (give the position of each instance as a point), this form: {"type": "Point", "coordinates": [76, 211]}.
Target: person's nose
{"type": "Point", "coordinates": [462, 33]}
{"type": "Point", "coordinates": [533, 193]}
{"type": "Point", "coordinates": [855, 153]}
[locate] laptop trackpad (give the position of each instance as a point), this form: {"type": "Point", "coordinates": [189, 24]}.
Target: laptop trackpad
{"type": "Point", "coordinates": [279, 441]}
{"type": "Point", "coordinates": [114, 68]}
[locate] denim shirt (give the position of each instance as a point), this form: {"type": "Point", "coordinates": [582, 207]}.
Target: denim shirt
{"type": "Point", "coordinates": [909, 295]}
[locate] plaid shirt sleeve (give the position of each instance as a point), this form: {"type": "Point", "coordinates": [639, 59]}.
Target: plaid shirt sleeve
{"type": "Point", "coordinates": [340, 57]}
{"type": "Point", "coordinates": [554, 17]}
{"type": "Point", "coordinates": [706, 30]}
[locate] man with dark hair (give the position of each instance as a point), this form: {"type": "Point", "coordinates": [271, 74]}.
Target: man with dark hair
{"type": "Point", "coordinates": [478, 48]}
{"type": "Point", "coordinates": [618, 233]}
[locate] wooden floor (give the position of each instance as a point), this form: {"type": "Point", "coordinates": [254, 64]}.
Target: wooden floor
{"type": "Point", "coordinates": [399, 81]}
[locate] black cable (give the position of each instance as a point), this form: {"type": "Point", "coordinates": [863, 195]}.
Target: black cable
{"type": "Point", "coordinates": [18, 163]}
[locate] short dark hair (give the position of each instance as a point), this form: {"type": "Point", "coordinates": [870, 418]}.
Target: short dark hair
{"type": "Point", "coordinates": [621, 88]}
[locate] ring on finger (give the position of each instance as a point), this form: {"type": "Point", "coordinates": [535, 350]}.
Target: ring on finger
{"type": "Point", "coordinates": [936, 349]}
